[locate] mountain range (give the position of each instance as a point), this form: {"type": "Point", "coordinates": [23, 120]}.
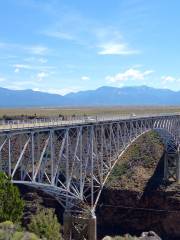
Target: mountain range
{"type": "Point", "coordinates": [141, 95]}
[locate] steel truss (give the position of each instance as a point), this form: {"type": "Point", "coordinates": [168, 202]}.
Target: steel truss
{"type": "Point", "coordinates": [72, 163]}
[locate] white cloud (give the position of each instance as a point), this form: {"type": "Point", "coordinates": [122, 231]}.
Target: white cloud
{"type": "Point", "coordinates": [111, 48]}
{"type": "Point", "coordinates": [170, 82]}
{"type": "Point", "coordinates": [35, 59]}
{"type": "Point", "coordinates": [41, 75]}
{"type": "Point", "coordinates": [169, 79]}
{"type": "Point", "coordinates": [16, 70]}
{"type": "Point", "coordinates": [130, 74]}
{"type": "Point", "coordinates": [85, 78]}
{"type": "Point", "coordinates": [17, 67]}
{"type": "Point", "coordinates": [62, 91]}
{"type": "Point", "coordinates": [111, 42]}
{"type": "Point", "coordinates": [22, 66]}
{"type": "Point", "coordinates": [106, 40]}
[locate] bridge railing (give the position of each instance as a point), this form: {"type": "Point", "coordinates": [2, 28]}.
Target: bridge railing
{"type": "Point", "coordinates": [49, 122]}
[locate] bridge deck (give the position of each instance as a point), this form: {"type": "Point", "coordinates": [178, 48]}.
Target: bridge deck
{"type": "Point", "coordinates": [49, 123]}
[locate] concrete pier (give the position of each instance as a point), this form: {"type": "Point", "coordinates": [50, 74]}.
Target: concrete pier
{"type": "Point", "coordinates": [92, 228]}
{"type": "Point", "coordinates": [67, 226]}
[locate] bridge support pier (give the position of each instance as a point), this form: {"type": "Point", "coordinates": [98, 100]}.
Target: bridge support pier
{"type": "Point", "coordinates": [92, 228]}
{"type": "Point", "coordinates": [67, 226]}
{"type": "Point", "coordinates": [178, 167]}
{"type": "Point", "coordinates": [87, 230]}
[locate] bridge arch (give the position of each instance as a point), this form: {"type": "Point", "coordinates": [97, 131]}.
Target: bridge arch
{"type": "Point", "coordinates": [54, 190]}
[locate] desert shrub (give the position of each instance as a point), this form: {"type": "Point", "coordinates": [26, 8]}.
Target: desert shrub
{"type": "Point", "coordinates": [45, 224]}
{"type": "Point", "coordinates": [24, 236]}
{"type": "Point", "coordinates": [7, 226]}
{"type": "Point", "coordinates": [118, 171]}
{"type": "Point", "coordinates": [10, 231]}
{"type": "Point", "coordinates": [6, 230]}
{"type": "Point", "coordinates": [11, 205]}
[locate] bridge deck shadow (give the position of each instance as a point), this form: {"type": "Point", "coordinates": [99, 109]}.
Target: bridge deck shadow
{"type": "Point", "coordinates": [157, 179]}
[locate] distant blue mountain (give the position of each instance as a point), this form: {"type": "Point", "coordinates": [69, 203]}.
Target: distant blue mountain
{"type": "Point", "coordinates": [142, 95]}
{"type": "Point", "coordinates": [23, 98]}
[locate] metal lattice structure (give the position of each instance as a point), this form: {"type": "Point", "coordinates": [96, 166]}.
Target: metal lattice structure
{"type": "Point", "coordinates": [72, 162]}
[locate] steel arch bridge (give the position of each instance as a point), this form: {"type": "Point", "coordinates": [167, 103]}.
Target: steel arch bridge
{"type": "Point", "coordinates": [73, 161]}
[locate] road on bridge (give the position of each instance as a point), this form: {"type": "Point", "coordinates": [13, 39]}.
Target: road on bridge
{"type": "Point", "coordinates": [45, 123]}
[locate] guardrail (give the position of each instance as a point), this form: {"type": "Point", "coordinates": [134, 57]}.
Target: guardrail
{"type": "Point", "coordinates": [50, 122]}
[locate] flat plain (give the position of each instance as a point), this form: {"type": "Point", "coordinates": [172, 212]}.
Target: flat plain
{"type": "Point", "coordinates": [92, 111]}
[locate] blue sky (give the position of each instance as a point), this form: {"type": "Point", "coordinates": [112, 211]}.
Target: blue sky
{"type": "Point", "coordinates": [61, 46]}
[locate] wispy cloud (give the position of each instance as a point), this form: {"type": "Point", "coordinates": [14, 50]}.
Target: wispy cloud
{"type": "Point", "coordinates": [30, 49]}
{"type": "Point", "coordinates": [22, 66]}
{"type": "Point", "coordinates": [70, 25]}
{"type": "Point", "coordinates": [42, 75]}
{"type": "Point", "coordinates": [105, 40]}
{"type": "Point", "coordinates": [111, 42]}
{"type": "Point", "coordinates": [170, 82]}
{"type": "Point", "coordinates": [16, 70]}
{"type": "Point", "coordinates": [8, 57]}
{"type": "Point", "coordinates": [37, 50]}
{"type": "Point", "coordinates": [85, 78]}
{"type": "Point", "coordinates": [130, 74]}
{"type": "Point", "coordinates": [111, 48]}
{"type": "Point", "coordinates": [169, 79]}
{"type": "Point", "coordinates": [59, 35]}
{"type": "Point", "coordinates": [18, 66]}
{"type": "Point", "coordinates": [36, 59]}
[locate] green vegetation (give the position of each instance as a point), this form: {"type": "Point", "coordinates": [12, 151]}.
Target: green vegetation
{"type": "Point", "coordinates": [118, 171]}
{"type": "Point", "coordinates": [45, 224]}
{"type": "Point", "coordinates": [11, 205]}
{"type": "Point", "coordinates": [138, 162]}
{"type": "Point", "coordinates": [10, 231]}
